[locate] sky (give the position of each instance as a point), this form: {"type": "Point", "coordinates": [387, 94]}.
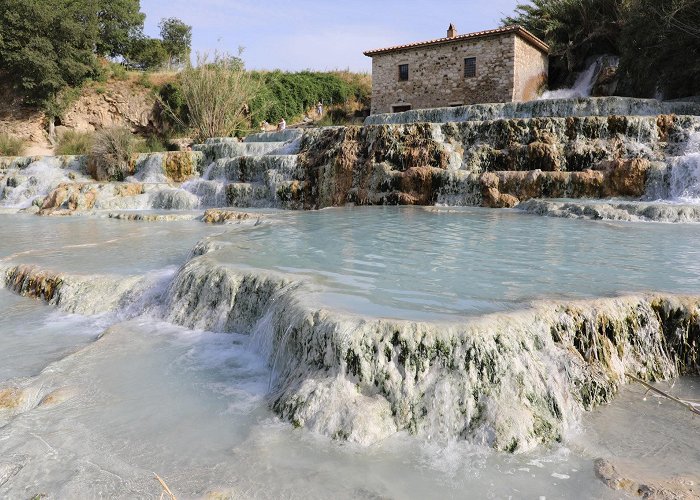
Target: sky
{"type": "Point", "coordinates": [319, 35]}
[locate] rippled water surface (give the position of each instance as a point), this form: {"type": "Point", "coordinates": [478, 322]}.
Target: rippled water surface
{"type": "Point", "coordinates": [133, 397]}
{"type": "Point", "coordinates": [416, 262]}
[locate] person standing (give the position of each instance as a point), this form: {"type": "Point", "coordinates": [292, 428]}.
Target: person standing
{"type": "Point", "coordinates": [282, 124]}
{"type": "Point", "coordinates": [319, 109]}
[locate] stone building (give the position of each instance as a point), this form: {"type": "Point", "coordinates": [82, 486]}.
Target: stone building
{"type": "Point", "coordinates": [501, 65]}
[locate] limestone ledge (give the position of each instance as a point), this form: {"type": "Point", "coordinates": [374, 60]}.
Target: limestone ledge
{"type": "Point", "coordinates": [614, 210]}
{"type": "Point", "coordinates": [82, 196]}
{"type": "Point", "coordinates": [508, 380]}
{"type": "Point", "coordinates": [511, 380]}
{"type": "Point", "coordinates": [87, 295]}
{"type": "Point", "coordinates": [224, 216]}
{"type": "Point", "coordinates": [623, 477]}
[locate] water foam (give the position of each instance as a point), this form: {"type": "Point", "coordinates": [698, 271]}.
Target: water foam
{"type": "Point", "coordinates": [33, 182]}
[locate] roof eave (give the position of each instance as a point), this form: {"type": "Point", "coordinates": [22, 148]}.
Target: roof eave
{"type": "Point", "coordinates": [516, 30]}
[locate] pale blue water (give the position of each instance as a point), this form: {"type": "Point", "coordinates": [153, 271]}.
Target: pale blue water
{"type": "Point", "coordinates": [417, 262]}
{"type": "Point", "coordinates": [192, 405]}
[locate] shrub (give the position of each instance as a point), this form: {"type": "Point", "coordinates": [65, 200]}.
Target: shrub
{"type": "Point", "coordinates": [285, 95]}
{"type": "Point", "coordinates": [119, 72]}
{"type": "Point", "coordinates": [145, 80]}
{"type": "Point", "coordinates": [217, 96]}
{"type": "Point", "coordinates": [10, 145]}
{"type": "Point", "coordinates": [75, 143]}
{"type": "Point", "coordinates": [151, 144]}
{"type": "Point", "coordinates": [111, 155]}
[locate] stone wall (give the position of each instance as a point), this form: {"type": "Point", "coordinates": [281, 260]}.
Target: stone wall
{"type": "Point", "coordinates": [436, 74]}
{"type": "Point", "coordinates": [531, 70]}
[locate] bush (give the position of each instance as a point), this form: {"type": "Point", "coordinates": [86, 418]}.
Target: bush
{"type": "Point", "coordinates": [111, 155]}
{"type": "Point", "coordinates": [286, 95]}
{"type": "Point", "coordinates": [217, 96]}
{"type": "Point", "coordinates": [119, 72]}
{"type": "Point", "coordinates": [75, 143]}
{"type": "Point", "coordinates": [145, 80]}
{"type": "Point", "coordinates": [151, 144]}
{"type": "Point", "coordinates": [11, 146]}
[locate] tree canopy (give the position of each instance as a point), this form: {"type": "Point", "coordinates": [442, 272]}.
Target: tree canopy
{"type": "Point", "coordinates": [658, 41]}
{"type": "Point", "coordinates": [177, 40]}
{"type": "Point", "coordinates": [47, 45]}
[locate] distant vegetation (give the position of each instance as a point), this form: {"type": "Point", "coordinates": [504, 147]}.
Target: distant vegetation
{"type": "Point", "coordinates": [11, 146]}
{"type": "Point", "coordinates": [75, 143]}
{"type": "Point", "coordinates": [288, 95]}
{"type": "Point", "coordinates": [50, 46]}
{"type": "Point", "coordinates": [658, 41]}
{"type": "Point", "coordinates": [196, 100]}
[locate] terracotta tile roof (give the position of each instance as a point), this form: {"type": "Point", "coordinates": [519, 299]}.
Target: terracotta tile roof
{"type": "Point", "coordinates": [519, 30]}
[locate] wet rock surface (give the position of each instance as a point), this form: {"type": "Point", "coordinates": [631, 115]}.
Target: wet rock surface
{"type": "Point", "coordinates": [511, 381]}
{"type": "Point", "coordinates": [624, 478]}
{"type": "Point", "coordinates": [614, 210]}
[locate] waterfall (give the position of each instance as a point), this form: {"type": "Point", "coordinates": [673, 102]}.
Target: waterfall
{"type": "Point", "coordinates": [33, 182]}
{"type": "Point", "coordinates": [582, 86]}
{"type": "Point", "coordinates": [150, 170]}
{"type": "Point", "coordinates": [684, 178]}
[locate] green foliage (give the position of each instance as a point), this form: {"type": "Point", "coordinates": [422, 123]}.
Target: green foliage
{"type": "Point", "coordinates": [574, 29]}
{"type": "Point", "coordinates": [177, 40]}
{"type": "Point", "coordinates": [56, 105]}
{"type": "Point", "coordinates": [286, 95]}
{"type": "Point", "coordinates": [216, 95]}
{"type": "Point", "coordinates": [11, 146]}
{"type": "Point", "coordinates": [657, 40]}
{"type": "Point", "coordinates": [111, 154]}
{"type": "Point", "coordinates": [145, 80]}
{"type": "Point", "coordinates": [75, 143]}
{"type": "Point", "coordinates": [118, 21]}
{"type": "Point", "coordinates": [150, 144]}
{"type": "Point", "coordinates": [660, 49]}
{"type": "Point", "coordinates": [48, 45]}
{"type": "Point", "coordinates": [118, 71]}
{"type": "Point", "coordinates": [173, 102]}
{"type": "Point", "coordinates": [147, 54]}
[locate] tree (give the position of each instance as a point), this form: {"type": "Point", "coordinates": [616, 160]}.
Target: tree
{"type": "Point", "coordinates": [147, 53]}
{"type": "Point", "coordinates": [48, 45]}
{"type": "Point", "coordinates": [119, 22]}
{"type": "Point", "coordinates": [660, 44]}
{"type": "Point", "coordinates": [575, 30]}
{"type": "Point", "coordinates": [177, 40]}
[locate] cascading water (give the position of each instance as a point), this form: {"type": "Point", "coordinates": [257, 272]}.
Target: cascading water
{"type": "Point", "coordinates": [94, 418]}
{"type": "Point", "coordinates": [23, 186]}
{"type": "Point", "coordinates": [150, 170]}
{"type": "Point", "coordinates": [684, 176]}
{"type": "Point", "coordinates": [584, 82]}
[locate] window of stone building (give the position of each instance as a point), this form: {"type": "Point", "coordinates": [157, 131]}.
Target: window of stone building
{"type": "Point", "coordinates": [403, 72]}
{"type": "Point", "coordinates": [400, 108]}
{"type": "Point", "coordinates": [470, 67]}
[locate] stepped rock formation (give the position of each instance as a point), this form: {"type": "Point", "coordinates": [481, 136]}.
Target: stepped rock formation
{"type": "Point", "coordinates": [510, 380]}
{"type": "Point", "coordinates": [494, 155]}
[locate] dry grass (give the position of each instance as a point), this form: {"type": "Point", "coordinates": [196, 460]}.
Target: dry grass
{"type": "Point", "coordinates": [110, 158]}
{"type": "Point", "coordinates": [75, 143]}
{"type": "Point", "coordinates": [10, 145]}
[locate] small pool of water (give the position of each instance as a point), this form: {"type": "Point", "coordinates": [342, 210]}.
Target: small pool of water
{"type": "Point", "coordinates": [426, 263]}
{"type": "Point", "coordinates": [98, 245]}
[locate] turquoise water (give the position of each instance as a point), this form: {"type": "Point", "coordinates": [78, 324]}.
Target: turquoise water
{"type": "Point", "coordinates": [423, 263]}
{"type": "Point", "coordinates": [192, 405]}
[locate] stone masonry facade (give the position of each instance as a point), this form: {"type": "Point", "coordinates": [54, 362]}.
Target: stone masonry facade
{"type": "Point", "coordinates": [510, 65]}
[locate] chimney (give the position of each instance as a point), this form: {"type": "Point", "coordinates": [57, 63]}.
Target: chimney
{"type": "Point", "coordinates": [451, 31]}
